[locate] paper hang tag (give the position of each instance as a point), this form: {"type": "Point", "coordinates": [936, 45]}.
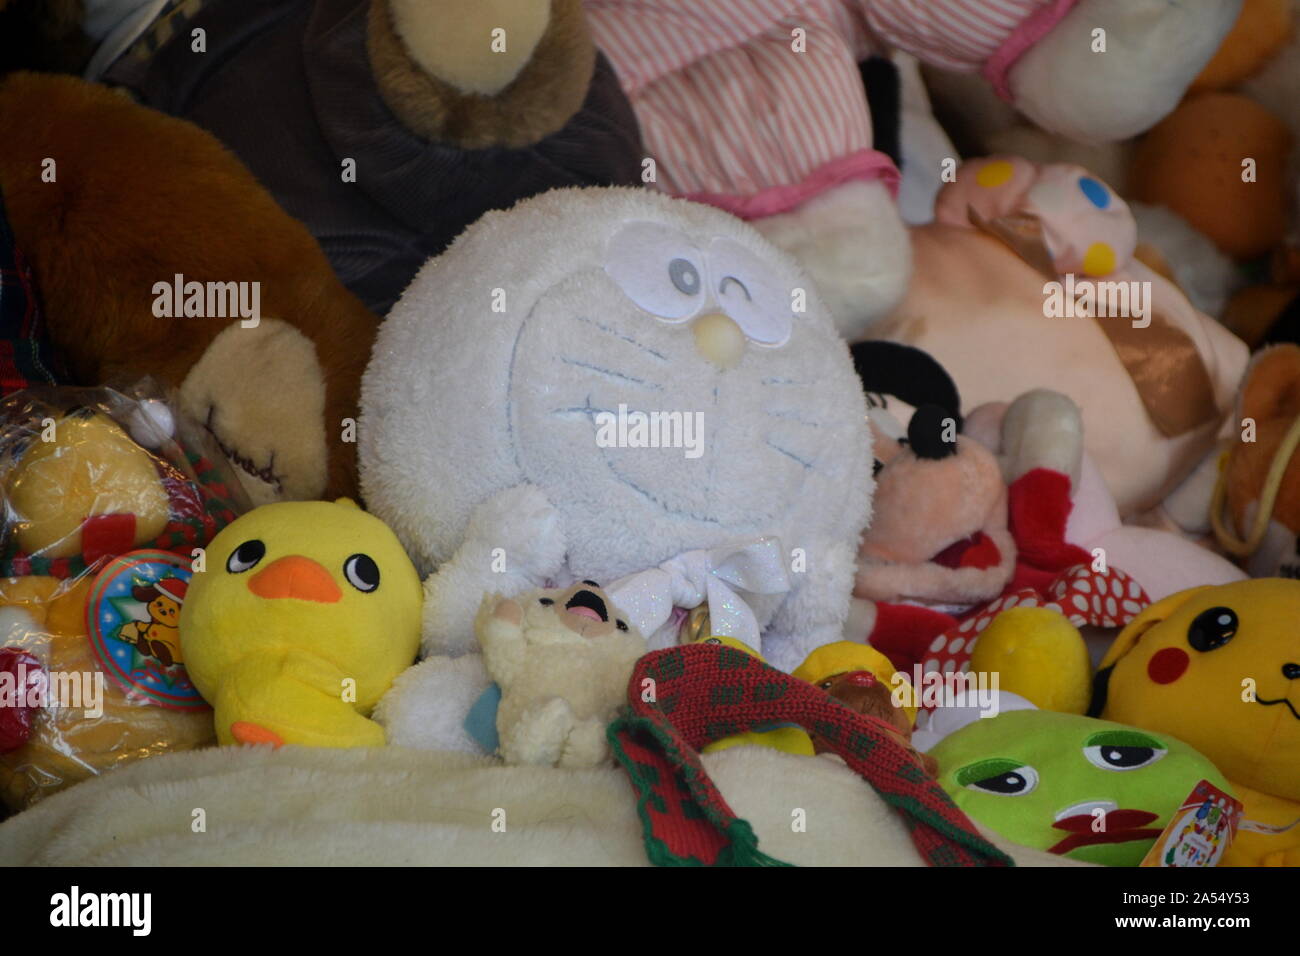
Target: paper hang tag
{"type": "Point", "coordinates": [1200, 830]}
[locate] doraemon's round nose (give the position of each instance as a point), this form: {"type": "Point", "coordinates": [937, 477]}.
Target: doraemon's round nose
{"type": "Point", "coordinates": [1290, 670]}
{"type": "Point", "coordinates": [719, 339]}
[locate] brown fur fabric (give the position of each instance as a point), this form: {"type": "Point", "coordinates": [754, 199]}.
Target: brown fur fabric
{"type": "Point", "coordinates": [542, 98]}
{"type": "Point", "coordinates": [140, 197]}
{"type": "Point", "coordinates": [1270, 395]}
{"type": "Point", "coordinates": [43, 35]}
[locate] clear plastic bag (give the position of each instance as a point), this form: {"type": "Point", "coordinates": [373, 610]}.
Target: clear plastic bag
{"type": "Point", "coordinates": [106, 494]}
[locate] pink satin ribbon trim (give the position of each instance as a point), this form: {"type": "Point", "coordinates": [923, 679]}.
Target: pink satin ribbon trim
{"type": "Point", "coordinates": [1034, 28]}
{"type": "Point", "coordinates": [866, 164]}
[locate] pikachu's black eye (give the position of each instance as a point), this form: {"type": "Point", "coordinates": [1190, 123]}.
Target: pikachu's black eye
{"type": "Point", "coordinates": [1212, 629]}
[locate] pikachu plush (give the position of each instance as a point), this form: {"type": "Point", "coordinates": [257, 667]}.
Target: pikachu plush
{"type": "Point", "coordinates": [1219, 668]}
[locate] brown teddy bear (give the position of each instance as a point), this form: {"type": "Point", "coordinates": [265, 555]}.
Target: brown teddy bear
{"type": "Point", "coordinates": [1256, 511]}
{"type": "Point", "coordinates": [132, 222]}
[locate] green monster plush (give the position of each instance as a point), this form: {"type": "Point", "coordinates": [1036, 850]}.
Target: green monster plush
{"type": "Point", "coordinates": [1088, 789]}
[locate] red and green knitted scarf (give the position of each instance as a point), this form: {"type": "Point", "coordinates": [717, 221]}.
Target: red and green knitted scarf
{"type": "Point", "coordinates": [700, 693]}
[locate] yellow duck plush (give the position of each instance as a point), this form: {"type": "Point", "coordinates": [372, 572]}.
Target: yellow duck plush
{"type": "Point", "coordinates": [304, 615]}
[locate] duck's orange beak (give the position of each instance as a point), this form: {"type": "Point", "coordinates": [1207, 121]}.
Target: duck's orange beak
{"type": "Point", "coordinates": [248, 733]}
{"type": "Point", "coordinates": [294, 576]}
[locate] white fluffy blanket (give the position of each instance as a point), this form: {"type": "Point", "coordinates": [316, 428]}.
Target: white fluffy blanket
{"type": "Point", "coordinates": [399, 807]}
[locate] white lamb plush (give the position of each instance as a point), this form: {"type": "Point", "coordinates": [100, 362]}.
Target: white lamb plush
{"type": "Point", "coordinates": [490, 441]}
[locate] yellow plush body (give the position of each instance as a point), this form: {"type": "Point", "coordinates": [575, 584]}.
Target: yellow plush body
{"type": "Point", "coordinates": [1219, 668]}
{"type": "Point", "coordinates": [59, 484]}
{"type": "Point", "coordinates": [1036, 653]}
{"type": "Point", "coordinates": [282, 633]}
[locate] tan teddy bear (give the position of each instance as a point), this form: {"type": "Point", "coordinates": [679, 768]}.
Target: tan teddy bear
{"type": "Point", "coordinates": [562, 659]}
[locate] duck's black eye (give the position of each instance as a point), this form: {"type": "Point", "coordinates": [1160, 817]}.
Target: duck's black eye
{"type": "Point", "coordinates": [545, 602]}
{"type": "Point", "coordinates": [1212, 628]}
{"type": "Point", "coordinates": [362, 572]}
{"type": "Point", "coordinates": [245, 556]}
{"type": "Point", "coordinates": [621, 625]}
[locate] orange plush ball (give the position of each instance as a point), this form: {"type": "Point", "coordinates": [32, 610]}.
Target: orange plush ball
{"type": "Point", "coordinates": [1263, 27]}
{"type": "Point", "coordinates": [1192, 162]}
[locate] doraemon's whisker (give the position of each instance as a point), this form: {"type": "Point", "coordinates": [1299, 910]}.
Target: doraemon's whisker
{"type": "Point", "coordinates": [612, 374]}
{"type": "Point", "coordinates": [785, 381]}
{"type": "Point", "coordinates": [626, 338]}
{"type": "Point", "coordinates": [789, 454]}
{"type": "Point", "coordinates": [584, 410]}
{"type": "Point", "coordinates": [790, 416]}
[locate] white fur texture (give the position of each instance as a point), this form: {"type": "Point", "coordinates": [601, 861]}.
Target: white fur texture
{"type": "Point", "coordinates": [853, 243]}
{"type": "Point", "coordinates": [478, 428]}
{"type": "Point", "coordinates": [1205, 274]}
{"type": "Point", "coordinates": [389, 807]}
{"type": "Point", "coordinates": [425, 708]}
{"type": "Point", "coordinates": [1154, 49]}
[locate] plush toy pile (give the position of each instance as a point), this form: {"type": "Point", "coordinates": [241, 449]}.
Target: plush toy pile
{"type": "Point", "coordinates": [657, 408]}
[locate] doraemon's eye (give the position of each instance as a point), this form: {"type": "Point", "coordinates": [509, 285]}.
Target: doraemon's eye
{"type": "Point", "coordinates": [1122, 750]}
{"type": "Point", "coordinates": [747, 293]}
{"type": "Point", "coordinates": [362, 572]}
{"type": "Point", "coordinates": [1212, 628]}
{"type": "Point", "coordinates": [245, 556]}
{"type": "Point", "coordinates": [684, 276]}
{"type": "Point", "coordinates": [658, 268]}
{"type": "Point", "coordinates": [999, 775]}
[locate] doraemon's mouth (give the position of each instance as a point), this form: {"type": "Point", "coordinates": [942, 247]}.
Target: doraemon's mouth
{"type": "Point", "coordinates": [1121, 826]}
{"type": "Point", "coordinates": [1281, 700]}
{"type": "Point", "coordinates": [588, 604]}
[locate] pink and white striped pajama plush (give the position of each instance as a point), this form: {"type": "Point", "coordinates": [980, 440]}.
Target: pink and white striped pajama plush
{"type": "Point", "coordinates": [742, 110]}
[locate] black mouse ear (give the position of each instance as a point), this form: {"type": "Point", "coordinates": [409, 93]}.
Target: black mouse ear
{"type": "Point", "coordinates": [885, 99]}
{"type": "Point", "coordinates": [908, 373]}
{"type": "Point", "coordinates": [932, 433]}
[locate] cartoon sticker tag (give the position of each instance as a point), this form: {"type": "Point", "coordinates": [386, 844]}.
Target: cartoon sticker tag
{"type": "Point", "coordinates": [132, 616]}
{"type": "Point", "coordinates": [1200, 831]}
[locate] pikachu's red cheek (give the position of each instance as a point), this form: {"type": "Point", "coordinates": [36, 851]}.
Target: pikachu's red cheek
{"type": "Point", "coordinates": [1167, 665]}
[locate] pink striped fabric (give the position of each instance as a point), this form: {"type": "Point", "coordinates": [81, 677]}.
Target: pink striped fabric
{"type": "Point", "coordinates": [729, 111]}
{"type": "Point", "coordinates": [954, 34]}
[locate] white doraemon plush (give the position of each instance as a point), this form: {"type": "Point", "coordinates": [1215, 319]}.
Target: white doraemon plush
{"type": "Point", "coordinates": [517, 392]}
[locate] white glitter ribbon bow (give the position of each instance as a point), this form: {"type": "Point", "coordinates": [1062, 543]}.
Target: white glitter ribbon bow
{"type": "Point", "coordinates": [720, 576]}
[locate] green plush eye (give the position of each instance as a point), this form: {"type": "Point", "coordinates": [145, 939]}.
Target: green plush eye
{"type": "Point", "coordinates": [1000, 775]}
{"type": "Point", "coordinates": [1122, 750]}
